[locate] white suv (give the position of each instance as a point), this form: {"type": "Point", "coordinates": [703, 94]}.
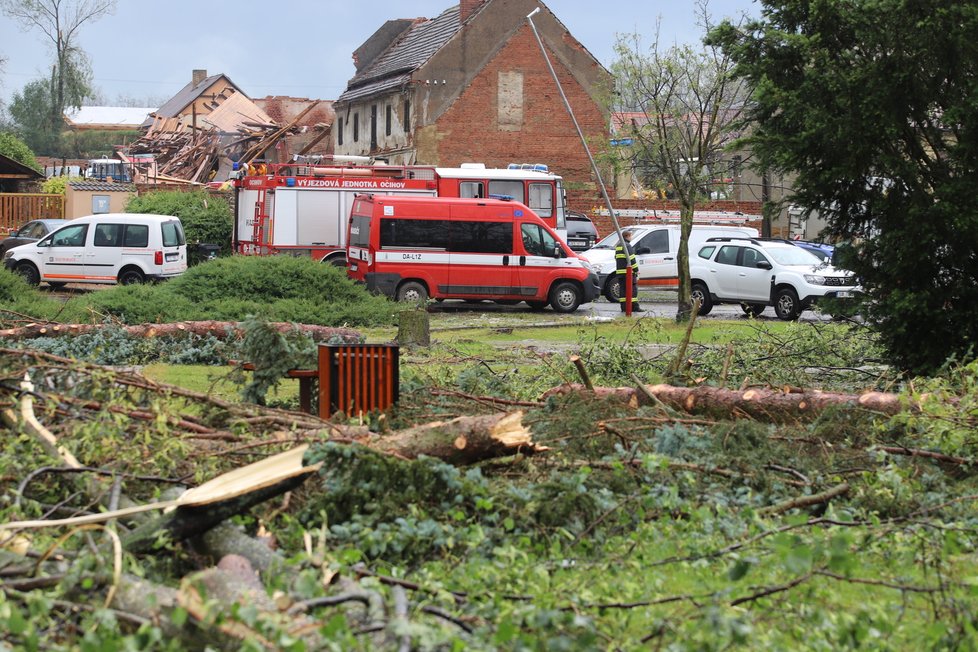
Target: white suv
{"type": "Point", "coordinates": [757, 273]}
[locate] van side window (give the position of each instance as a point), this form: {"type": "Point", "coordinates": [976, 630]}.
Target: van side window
{"type": "Point", "coordinates": [482, 237]}
{"type": "Point", "coordinates": [656, 242]}
{"type": "Point", "coordinates": [471, 190]}
{"type": "Point", "coordinates": [136, 235]}
{"type": "Point", "coordinates": [70, 236]}
{"type": "Point", "coordinates": [108, 235]}
{"type": "Point", "coordinates": [414, 234]}
{"type": "Point", "coordinates": [706, 252]}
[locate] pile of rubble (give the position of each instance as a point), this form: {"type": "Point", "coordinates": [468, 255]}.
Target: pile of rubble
{"type": "Point", "coordinates": [203, 149]}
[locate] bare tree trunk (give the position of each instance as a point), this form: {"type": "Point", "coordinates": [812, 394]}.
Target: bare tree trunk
{"type": "Point", "coordinates": [763, 404]}
{"type": "Point", "coordinates": [218, 329]}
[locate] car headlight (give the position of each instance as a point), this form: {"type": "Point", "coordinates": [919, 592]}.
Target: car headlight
{"type": "Point", "coordinates": [588, 266]}
{"type": "Point", "coordinates": [815, 279]}
{"type": "Point", "coordinates": [8, 254]}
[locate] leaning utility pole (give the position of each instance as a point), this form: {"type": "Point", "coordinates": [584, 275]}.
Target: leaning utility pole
{"type": "Point", "coordinates": [629, 290]}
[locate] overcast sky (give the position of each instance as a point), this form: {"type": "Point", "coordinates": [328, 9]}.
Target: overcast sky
{"type": "Point", "coordinates": [300, 48]}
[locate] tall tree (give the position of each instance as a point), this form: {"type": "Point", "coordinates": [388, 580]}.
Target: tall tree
{"type": "Point", "coordinates": [30, 110]}
{"type": "Point", "coordinates": [874, 106]}
{"type": "Point", "coordinates": [60, 21]}
{"type": "Point", "coordinates": [689, 105]}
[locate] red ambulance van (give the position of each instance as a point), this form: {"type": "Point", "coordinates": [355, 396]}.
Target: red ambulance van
{"type": "Point", "coordinates": [415, 248]}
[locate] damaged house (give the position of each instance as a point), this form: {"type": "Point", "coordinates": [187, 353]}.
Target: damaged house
{"type": "Point", "coordinates": [471, 85]}
{"type": "Point", "coordinates": [210, 124]}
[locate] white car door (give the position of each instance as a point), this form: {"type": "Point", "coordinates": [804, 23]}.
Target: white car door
{"type": "Point", "coordinates": [724, 272]}
{"type": "Point", "coordinates": [62, 258]}
{"type": "Point", "coordinates": [656, 260]}
{"type": "Point", "coordinates": [753, 282]}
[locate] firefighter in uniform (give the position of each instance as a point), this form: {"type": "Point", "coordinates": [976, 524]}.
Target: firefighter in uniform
{"type": "Point", "coordinates": [623, 262]}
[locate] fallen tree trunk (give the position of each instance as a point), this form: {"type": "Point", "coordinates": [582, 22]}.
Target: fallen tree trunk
{"type": "Point", "coordinates": [765, 404]}
{"type": "Point", "coordinates": [464, 440]}
{"type": "Point", "coordinates": [219, 329]}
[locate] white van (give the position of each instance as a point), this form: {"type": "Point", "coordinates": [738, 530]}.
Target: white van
{"type": "Point", "coordinates": [109, 248]}
{"type": "Point", "coordinates": [656, 247]}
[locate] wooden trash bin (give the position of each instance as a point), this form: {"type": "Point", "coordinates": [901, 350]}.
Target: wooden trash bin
{"type": "Point", "coordinates": [357, 378]}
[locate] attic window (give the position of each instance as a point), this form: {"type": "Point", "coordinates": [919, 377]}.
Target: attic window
{"type": "Point", "coordinates": [339, 131]}
{"type": "Point", "coordinates": [387, 121]}
{"type": "Point", "coordinates": [356, 127]}
{"type": "Point", "coordinates": [407, 116]}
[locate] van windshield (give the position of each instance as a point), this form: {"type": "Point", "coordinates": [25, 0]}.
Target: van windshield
{"type": "Point", "coordinates": [610, 241]}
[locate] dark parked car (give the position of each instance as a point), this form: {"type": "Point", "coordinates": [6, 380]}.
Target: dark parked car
{"type": "Point", "coordinates": [820, 249]}
{"type": "Point", "coordinates": [30, 232]}
{"type": "Point", "coordinates": [581, 234]}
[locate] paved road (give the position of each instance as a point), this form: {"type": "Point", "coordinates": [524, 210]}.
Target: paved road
{"type": "Point", "coordinates": [653, 304]}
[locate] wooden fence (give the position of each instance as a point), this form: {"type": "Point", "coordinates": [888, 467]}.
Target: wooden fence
{"type": "Point", "coordinates": [19, 207]}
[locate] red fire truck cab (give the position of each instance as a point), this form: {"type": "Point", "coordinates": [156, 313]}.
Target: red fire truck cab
{"type": "Point", "coordinates": [415, 248]}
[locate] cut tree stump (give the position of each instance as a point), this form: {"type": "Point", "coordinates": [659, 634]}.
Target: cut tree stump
{"type": "Point", "coordinates": [414, 328]}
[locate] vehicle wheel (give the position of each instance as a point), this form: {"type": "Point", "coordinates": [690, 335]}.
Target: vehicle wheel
{"type": "Point", "coordinates": [336, 261]}
{"type": "Point", "coordinates": [29, 272]}
{"type": "Point", "coordinates": [131, 276]}
{"type": "Point", "coordinates": [753, 309]}
{"type": "Point", "coordinates": [565, 297]}
{"type": "Point", "coordinates": [700, 293]}
{"type": "Point", "coordinates": [537, 305]}
{"type": "Point", "coordinates": [786, 304]}
{"type": "Point", "coordinates": [613, 289]}
{"type": "Point", "coordinates": [412, 291]}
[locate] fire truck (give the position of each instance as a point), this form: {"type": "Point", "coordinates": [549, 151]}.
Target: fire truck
{"type": "Point", "coordinates": [301, 208]}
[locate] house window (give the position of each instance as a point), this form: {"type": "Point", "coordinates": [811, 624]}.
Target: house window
{"type": "Point", "coordinates": [356, 127]}
{"type": "Point", "coordinates": [407, 116]}
{"type": "Point", "coordinates": [339, 131]}
{"type": "Point", "coordinates": [387, 121]}
{"type": "Point", "coordinates": [373, 126]}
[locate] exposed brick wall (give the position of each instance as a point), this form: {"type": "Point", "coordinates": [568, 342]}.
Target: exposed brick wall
{"type": "Point", "coordinates": [468, 131]}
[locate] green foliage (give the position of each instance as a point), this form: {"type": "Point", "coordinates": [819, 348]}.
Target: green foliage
{"type": "Point", "coordinates": [947, 419]}
{"type": "Point", "coordinates": [870, 106]}
{"type": "Point", "coordinates": [275, 288]}
{"type": "Point", "coordinates": [57, 185]}
{"type": "Point", "coordinates": [18, 299]}
{"type": "Point", "coordinates": [111, 345]}
{"type": "Point", "coordinates": [13, 147]}
{"type": "Point", "coordinates": [273, 353]}
{"type": "Point", "coordinates": [638, 527]}
{"type": "Point", "coordinates": [206, 217]}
